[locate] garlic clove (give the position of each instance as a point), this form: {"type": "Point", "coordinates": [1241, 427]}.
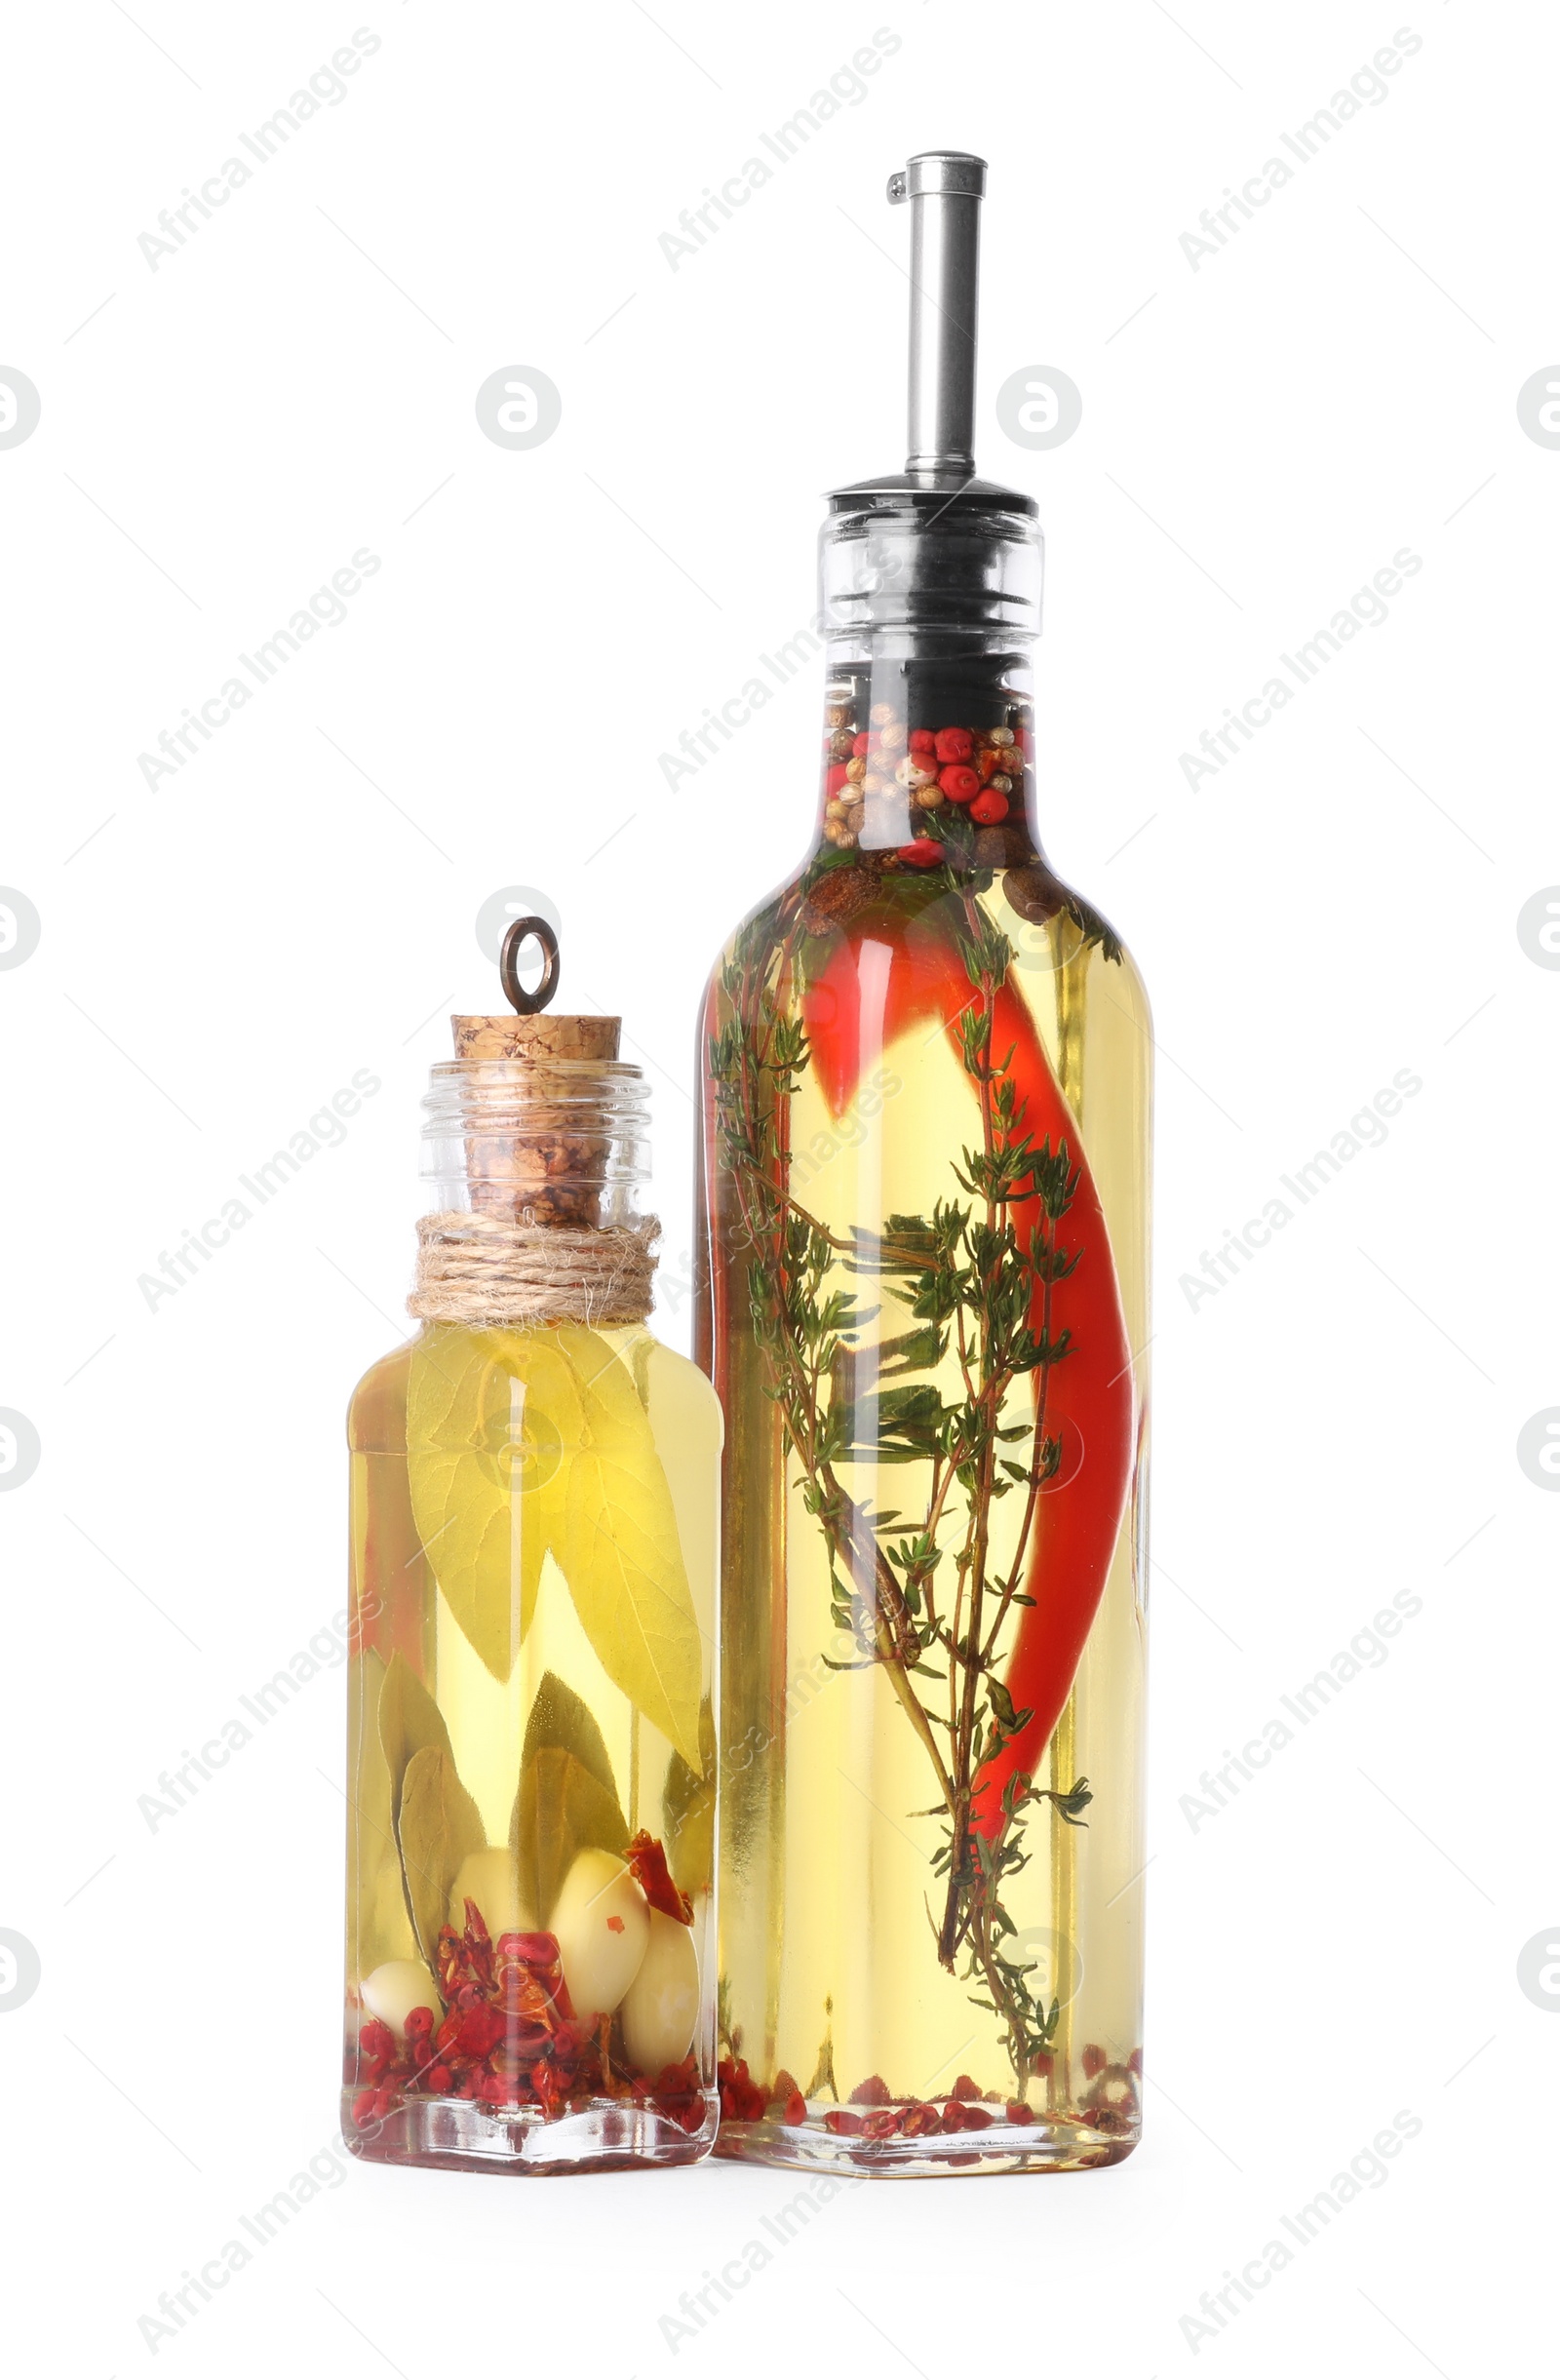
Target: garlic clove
{"type": "Point", "coordinates": [395, 1989]}
{"type": "Point", "coordinates": [661, 2005]}
{"type": "Point", "coordinates": [492, 1878]}
{"type": "Point", "coordinates": [601, 1923]}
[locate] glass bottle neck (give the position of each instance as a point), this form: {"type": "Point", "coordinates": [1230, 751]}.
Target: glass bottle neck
{"type": "Point", "coordinates": [929, 750]}
{"type": "Point", "coordinates": [541, 1139]}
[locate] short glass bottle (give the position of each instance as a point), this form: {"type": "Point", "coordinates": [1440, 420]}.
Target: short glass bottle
{"type": "Point", "coordinates": [531, 1973]}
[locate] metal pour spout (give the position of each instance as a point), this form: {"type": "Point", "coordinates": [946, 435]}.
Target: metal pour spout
{"type": "Point", "coordinates": [944, 188]}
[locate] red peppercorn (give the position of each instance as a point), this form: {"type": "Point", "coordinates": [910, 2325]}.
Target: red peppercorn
{"type": "Point", "coordinates": [376, 2041]}
{"type": "Point", "coordinates": [363, 2107]}
{"type": "Point", "coordinates": [924, 852]}
{"type": "Point", "coordinates": [482, 2029]}
{"type": "Point", "coordinates": [439, 2079]}
{"type": "Point", "coordinates": [988, 809]}
{"type": "Point", "coordinates": [418, 2022]}
{"type": "Point", "coordinates": [538, 1949]}
{"type": "Point", "coordinates": [922, 739]}
{"type": "Point", "coordinates": [834, 778]}
{"type": "Point", "coordinates": [953, 743]}
{"type": "Point", "coordinates": [958, 782]}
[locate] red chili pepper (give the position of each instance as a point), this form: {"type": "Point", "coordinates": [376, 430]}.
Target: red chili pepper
{"type": "Point", "coordinates": [913, 973]}
{"type": "Point", "coordinates": [646, 1864]}
{"type": "Point", "coordinates": [924, 852]}
{"type": "Point", "coordinates": [835, 779]}
{"type": "Point", "coordinates": [861, 747]}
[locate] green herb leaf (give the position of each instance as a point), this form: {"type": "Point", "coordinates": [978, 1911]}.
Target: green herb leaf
{"type": "Point", "coordinates": [567, 1795]}
{"type": "Point", "coordinates": [621, 1553]}
{"type": "Point", "coordinates": [439, 1826]}
{"type": "Point", "coordinates": [561, 1718]}
{"type": "Point", "coordinates": [409, 1720]}
{"type": "Point", "coordinates": [687, 1811]}
{"type": "Point", "coordinates": [492, 1417]}
{"type": "Point", "coordinates": [560, 1807]}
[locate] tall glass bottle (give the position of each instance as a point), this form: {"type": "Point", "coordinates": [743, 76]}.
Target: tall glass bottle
{"type": "Point", "coordinates": [924, 1304]}
{"type": "Point", "coordinates": [531, 1974]}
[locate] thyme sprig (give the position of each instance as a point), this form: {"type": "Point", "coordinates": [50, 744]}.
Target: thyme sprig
{"type": "Point", "coordinates": [916, 1593]}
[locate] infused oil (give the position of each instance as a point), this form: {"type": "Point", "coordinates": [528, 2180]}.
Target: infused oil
{"type": "Point", "coordinates": [924, 1234]}
{"type": "Point", "coordinates": [532, 1773]}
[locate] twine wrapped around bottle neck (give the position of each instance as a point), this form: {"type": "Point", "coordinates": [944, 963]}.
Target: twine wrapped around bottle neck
{"type": "Point", "coordinates": [536, 1152]}
{"type": "Point", "coordinates": [483, 1271]}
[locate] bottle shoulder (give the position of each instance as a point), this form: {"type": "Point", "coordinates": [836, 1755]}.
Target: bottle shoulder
{"type": "Point", "coordinates": [376, 1413]}
{"type": "Point", "coordinates": [838, 897]}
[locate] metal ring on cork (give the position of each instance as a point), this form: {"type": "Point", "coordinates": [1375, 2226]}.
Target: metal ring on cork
{"type": "Point", "coordinates": [529, 929]}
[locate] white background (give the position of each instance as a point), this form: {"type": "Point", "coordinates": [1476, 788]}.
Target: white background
{"type": "Point", "coordinates": [219, 955]}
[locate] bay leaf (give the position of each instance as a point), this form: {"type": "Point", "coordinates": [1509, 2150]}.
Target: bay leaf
{"type": "Point", "coordinates": [487, 1470]}
{"type": "Point", "coordinates": [562, 1808]}
{"type": "Point", "coordinates": [687, 1811]}
{"type": "Point", "coordinates": [620, 1554]}
{"type": "Point", "coordinates": [380, 1923]}
{"type": "Point", "coordinates": [560, 1716]}
{"type": "Point", "coordinates": [567, 1796]}
{"type": "Point", "coordinates": [409, 1719]}
{"type": "Point", "coordinates": [439, 1825]}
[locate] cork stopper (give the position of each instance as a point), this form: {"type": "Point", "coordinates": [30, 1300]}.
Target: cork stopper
{"type": "Point", "coordinates": [547, 1145]}
{"type": "Point", "coordinates": [536, 1036]}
